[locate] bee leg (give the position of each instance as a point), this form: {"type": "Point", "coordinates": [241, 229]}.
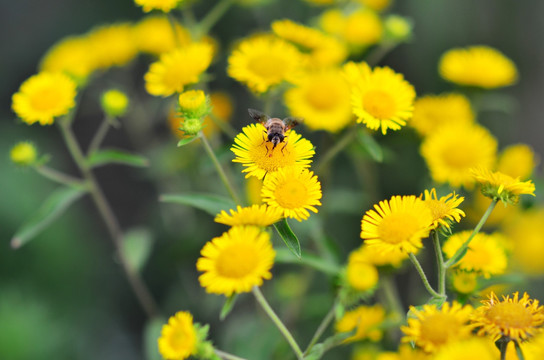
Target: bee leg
{"type": "Point", "coordinates": [283, 147]}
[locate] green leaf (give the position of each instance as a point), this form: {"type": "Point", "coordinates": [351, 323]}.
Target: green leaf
{"type": "Point", "coordinates": [437, 301]}
{"type": "Point", "coordinates": [152, 332]}
{"type": "Point", "coordinates": [288, 237]}
{"type": "Point", "coordinates": [51, 209]}
{"type": "Point", "coordinates": [212, 204]}
{"type": "Point", "coordinates": [137, 244]}
{"type": "Point", "coordinates": [112, 156]}
{"type": "Point", "coordinates": [313, 261]}
{"type": "Point", "coordinates": [228, 306]}
{"type": "Point", "coordinates": [370, 145]}
{"type": "Point", "coordinates": [187, 140]}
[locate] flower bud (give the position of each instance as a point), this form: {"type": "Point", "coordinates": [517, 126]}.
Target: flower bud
{"type": "Point", "coordinates": [114, 103]}
{"type": "Point", "coordinates": [193, 104]}
{"type": "Point", "coordinates": [24, 153]}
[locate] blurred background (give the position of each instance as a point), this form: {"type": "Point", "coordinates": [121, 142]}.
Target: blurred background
{"type": "Point", "coordinates": [64, 295]}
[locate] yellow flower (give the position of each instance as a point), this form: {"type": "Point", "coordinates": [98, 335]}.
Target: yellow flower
{"type": "Point", "coordinates": [534, 349]}
{"type": "Point", "coordinates": [372, 255]}
{"type": "Point", "coordinates": [114, 102]}
{"type": "Point", "coordinates": [264, 62]}
{"type": "Point", "coordinates": [480, 66]}
{"type": "Point", "coordinates": [365, 320]}
{"type": "Point", "coordinates": [162, 5]}
{"type": "Point", "coordinates": [513, 318]}
{"type": "Point", "coordinates": [376, 5]}
{"type": "Point", "coordinates": [154, 35]}
{"type": "Point", "coordinates": [444, 210]}
{"type": "Point", "coordinates": [452, 150]}
{"type": "Point", "coordinates": [71, 55]}
{"type": "Point", "coordinates": [397, 28]}
{"type": "Point", "coordinates": [486, 254]}
{"type": "Point", "coordinates": [321, 50]}
{"type": "Point", "coordinates": [179, 337]}
{"type": "Point", "coordinates": [193, 104]}
{"type": "Point", "coordinates": [501, 186]}
{"type": "Point", "coordinates": [526, 229]}
{"type": "Point", "coordinates": [517, 161]}
{"type": "Point", "coordinates": [254, 187]}
{"type": "Point", "coordinates": [362, 28]}
{"type": "Point", "coordinates": [259, 157]}
{"type": "Point", "coordinates": [361, 275]}
{"type": "Point", "coordinates": [434, 111]}
{"type": "Point", "coordinates": [258, 215]}
{"type": "Point", "coordinates": [469, 349]}
{"type": "Point", "coordinates": [24, 153]}
{"type": "Point", "coordinates": [465, 282]}
{"type": "Point", "coordinates": [112, 45]}
{"type": "Point", "coordinates": [294, 190]}
{"type": "Point", "coordinates": [380, 97]}
{"type": "Point", "coordinates": [236, 261]}
{"type": "Point", "coordinates": [431, 328]}
{"type": "Point", "coordinates": [178, 68]}
{"type": "Point", "coordinates": [397, 225]}
{"type": "Point", "coordinates": [322, 99]}
{"type": "Point", "coordinates": [332, 22]}
{"type": "Point", "coordinates": [43, 97]}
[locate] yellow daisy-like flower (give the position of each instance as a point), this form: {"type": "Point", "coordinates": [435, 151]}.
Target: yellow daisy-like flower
{"type": "Point", "coordinates": [434, 111]}
{"type": "Point", "coordinates": [380, 98]}
{"type": "Point", "coordinates": [534, 349]}
{"type": "Point", "coordinates": [486, 254]}
{"type": "Point", "coordinates": [254, 187]}
{"type": "Point", "coordinates": [514, 318]}
{"type": "Point", "coordinates": [433, 328]}
{"type": "Point", "coordinates": [24, 153]}
{"type": "Point", "coordinates": [294, 190]}
{"type": "Point", "coordinates": [365, 320]}
{"type": "Point", "coordinates": [259, 157]}
{"type": "Point", "coordinates": [480, 66]}
{"type": "Point", "coordinates": [362, 28]}
{"type": "Point", "coordinates": [444, 210]}
{"type": "Point", "coordinates": [264, 62]}
{"type": "Point", "coordinates": [258, 215]}
{"type": "Point", "coordinates": [469, 349]}
{"type": "Point", "coordinates": [154, 35]}
{"type": "Point", "coordinates": [517, 161]}
{"type": "Point", "coordinates": [112, 45]}
{"type": "Point", "coordinates": [178, 68]}
{"type": "Point", "coordinates": [397, 225]}
{"type": "Point", "coordinates": [70, 56]}
{"type": "Point", "coordinates": [162, 5]}
{"type": "Point", "coordinates": [373, 255]}
{"type": "Point", "coordinates": [377, 5]}
{"type": "Point", "coordinates": [464, 282]}
{"type": "Point", "coordinates": [43, 97]}
{"type": "Point", "coordinates": [322, 50]}
{"type": "Point", "coordinates": [179, 337]}
{"type": "Point", "coordinates": [322, 99]}
{"type": "Point", "coordinates": [236, 261]}
{"type": "Point", "coordinates": [452, 150]}
{"type": "Point", "coordinates": [501, 186]}
{"type": "Point", "coordinates": [361, 275]}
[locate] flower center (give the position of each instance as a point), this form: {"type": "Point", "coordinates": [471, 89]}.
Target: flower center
{"type": "Point", "coordinates": [439, 328]}
{"type": "Point", "coordinates": [510, 315]}
{"type": "Point", "coordinates": [291, 194]}
{"type": "Point", "coordinates": [179, 338]}
{"type": "Point", "coordinates": [268, 66]}
{"type": "Point", "coordinates": [45, 99]}
{"type": "Point", "coordinates": [237, 260]}
{"type": "Point", "coordinates": [438, 208]}
{"type": "Point", "coordinates": [397, 228]}
{"type": "Point", "coordinates": [322, 97]}
{"type": "Point", "coordinates": [379, 104]}
{"type": "Point", "coordinates": [458, 156]}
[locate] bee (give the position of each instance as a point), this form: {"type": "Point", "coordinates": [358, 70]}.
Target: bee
{"type": "Point", "coordinates": [275, 127]}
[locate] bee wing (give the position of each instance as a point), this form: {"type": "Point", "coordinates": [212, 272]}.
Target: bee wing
{"type": "Point", "coordinates": [257, 115]}
{"type": "Point", "coordinates": [290, 122]}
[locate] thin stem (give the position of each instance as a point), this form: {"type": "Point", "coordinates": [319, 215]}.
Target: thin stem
{"type": "Point", "coordinates": [59, 177]}
{"type": "Point", "coordinates": [457, 256]}
{"type": "Point", "coordinates": [224, 126]}
{"type": "Point", "coordinates": [439, 263]}
{"type": "Point", "coordinates": [219, 169]}
{"type": "Point", "coordinates": [503, 346]}
{"type": "Point", "coordinates": [419, 269]}
{"type": "Point", "coordinates": [99, 136]}
{"type": "Point", "coordinates": [379, 53]}
{"type": "Point", "coordinates": [322, 327]}
{"type": "Point", "coordinates": [226, 356]}
{"type": "Point", "coordinates": [518, 351]}
{"type": "Point", "coordinates": [138, 286]}
{"type": "Point", "coordinates": [212, 17]}
{"type": "Point", "coordinates": [391, 295]}
{"type": "Point", "coordinates": [276, 320]}
{"type": "Point", "coordinates": [331, 153]}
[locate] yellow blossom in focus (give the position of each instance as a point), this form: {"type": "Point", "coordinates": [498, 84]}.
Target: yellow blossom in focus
{"type": "Point", "coordinates": [24, 153]}
{"type": "Point", "coordinates": [258, 215]}
{"type": "Point", "coordinates": [70, 55]}
{"type": "Point", "coordinates": [154, 35]}
{"type": "Point", "coordinates": [365, 320]}
{"type": "Point", "coordinates": [497, 185]}
{"type": "Point", "coordinates": [444, 210]}
{"type": "Point", "coordinates": [112, 45]}
{"type": "Point", "coordinates": [517, 161]}
{"type": "Point", "coordinates": [534, 349]}
{"type": "Point", "coordinates": [179, 337]}
{"type": "Point", "coordinates": [162, 5]}
{"type": "Point", "coordinates": [193, 104]}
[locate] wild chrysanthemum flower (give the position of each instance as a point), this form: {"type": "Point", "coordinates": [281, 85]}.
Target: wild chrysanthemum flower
{"type": "Point", "coordinates": [236, 261]}
{"type": "Point", "coordinates": [178, 68]}
{"type": "Point", "coordinates": [374, 256]}
{"type": "Point", "coordinates": [480, 66]}
{"type": "Point", "coordinates": [259, 157]}
{"type": "Point", "coordinates": [193, 104]}
{"type": "Point", "coordinates": [114, 102]}
{"type": "Point", "coordinates": [43, 97]}
{"type": "Point", "coordinates": [486, 254]}
{"type": "Point", "coordinates": [452, 150]}
{"type": "Point", "coordinates": [433, 328]}
{"type": "Point", "coordinates": [513, 318]}
{"type": "Point", "coordinates": [323, 99]}
{"type": "Point", "coordinates": [397, 225]}
{"type": "Point", "coordinates": [162, 5]}
{"type": "Point", "coordinates": [362, 28]}
{"type": "Point", "coordinates": [154, 35]}
{"type": "Point", "coordinates": [112, 45]}
{"type": "Point", "coordinates": [258, 215]}
{"type": "Point", "coordinates": [464, 282]}
{"type": "Point", "coordinates": [294, 190]}
{"type": "Point", "coordinates": [517, 161]}
{"type": "Point", "coordinates": [264, 62]}
{"type": "Point", "coordinates": [526, 229]}
{"type": "Point", "coordinates": [497, 185]}
{"type": "Point", "coordinates": [433, 111]}
{"type": "Point", "coordinates": [179, 337]}
{"type": "Point", "coordinates": [469, 349]}
{"type": "Point", "coordinates": [444, 210]}
{"type": "Point", "coordinates": [365, 320]}
{"type": "Point", "coordinates": [534, 349]}
{"type": "Point", "coordinates": [70, 55]}
{"type": "Point", "coordinates": [361, 274]}
{"type": "Point", "coordinates": [380, 98]}
{"type": "Point", "coordinates": [24, 153]}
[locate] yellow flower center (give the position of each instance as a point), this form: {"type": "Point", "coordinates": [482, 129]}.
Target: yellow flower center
{"type": "Point", "coordinates": [510, 315]}
{"type": "Point", "coordinates": [269, 66]}
{"type": "Point", "coordinates": [45, 99]}
{"type": "Point", "coordinates": [438, 208]}
{"type": "Point", "coordinates": [459, 158]}
{"type": "Point", "coordinates": [439, 328]}
{"type": "Point", "coordinates": [178, 339]}
{"type": "Point", "coordinates": [379, 104]}
{"type": "Point", "coordinates": [291, 194]}
{"type": "Point", "coordinates": [321, 97]}
{"type": "Point", "coordinates": [397, 228]}
{"type": "Point", "coordinates": [237, 260]}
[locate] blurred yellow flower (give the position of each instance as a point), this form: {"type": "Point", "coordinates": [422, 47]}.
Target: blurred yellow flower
{"type": "Point", "coordinates": [114, 102]}
{"type": "Point", "coordinates": [376, 5]}
{"type": "Point", "coordinates": [154, 35]}
{"type": "Point", "coordinates": [444, 210]}
{"type": "Point", "coordinates": [71, 55]}
{"type": "Point", "coordinates": [397, 28]}
{"type": "Point", "coordinates": [433, 111]}
{"type": "Point", "coordinates": [372, 255]}
{"type": "Point", "coordinates": [258, 215]}
{"type": "Point", "coordinates": [464, 282]}
{"type": "Point", "coordinates": [361, 275]}
{"type": "Point", "coordinates": [473, 348]}
{"type": "Point", "coordinates": [365, 320]}
{"type": "Point", "coordinates": [525, 229]}
{"type": "Point", "coordinates": [322, 98]}
{"type": "Point", "coordinates": [43, 97]}
{"type": "Point", "coordinates": [162, 5]}
{"type": "Point", "coordinates": [362, 28]}
{"type": "Point", "coordinates": [480, 66]}
{"type": "Point", "coordinates": [332, 22]}
{"type": "Point", "coordinates": [178, 338]}
{"type": "Point", "coordinates": [501, 186]}
{"type": "Point", "coordinates": [517, 161]}
{"type": "Point", "coordinates": [112, 45]}
{"type": "Point", "coordinates": [479, 205]}
{"type": "Point", "coordinates": [24, 153]}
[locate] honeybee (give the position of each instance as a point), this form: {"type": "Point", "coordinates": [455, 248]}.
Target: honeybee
{"type": "Point", "coordinates": [275, 127]}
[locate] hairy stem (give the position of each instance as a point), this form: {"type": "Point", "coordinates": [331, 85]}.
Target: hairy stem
{"type": "Point", "coordinates": [212, 17]}
{"type": "Point", "coordinates": [424, 277]}
{"type": "Point", "coordinates": [227, 356]}
{"type": "Point", "coordinates": [439, 263]}
{"type": "Point", "coordinates": [59, 177]}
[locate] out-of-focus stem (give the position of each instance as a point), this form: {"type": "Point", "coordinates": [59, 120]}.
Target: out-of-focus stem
{"type": "Point", "coordinates": [227, 356]}
{"type": "Point", "coordinates": [212, 17]}
{"type": "Point", "coordinates": [58, 176]}
{"type": "Point", "coordinates": [322, 327]}
{"type": "Point", "coordinates": [331, 153]}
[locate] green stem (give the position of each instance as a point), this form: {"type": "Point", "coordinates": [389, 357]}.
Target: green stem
{"type": "Point", "coordinates": [322, 327]}
{"type": "Point", "coordinates": [99, 136]}
{"type": "Point", "coordinates": [212, 17]}
{"type": "Point", "coordinates": [458, 254]}
{"type": "Point", "coordinates": [331, 153]}
{"type": "Point", "coordinates": [219, 169]}
{"type": "Point", "coordinates": [419, 269]}
{"type": "Point", "coordinates": [503, 346]}
{"type": "Point", "coordinates": [518, 351]}
{"type": "Point", "coordinates": [276, 320]}
{"type": "Point", "coordinates": [224, 126]}
{"type": "Point", "coordinates": [439, 263]}
{"type": "Point", "coordinates": [59, 177]}
{"type": "Point", "coordinates": [379, 53]}
{"type": "Point", "coordinates": [138, 286]}
{"type": "Point", "coordinates": [227, 356]}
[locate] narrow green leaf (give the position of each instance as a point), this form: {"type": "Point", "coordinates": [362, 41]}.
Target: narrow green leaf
{"type": "Point", "coordinates": [51, 209]}
{"type": "Point", "coordinates": [152, 332]}
{"type": "Point", "coordinates": [212, 204]}
{"type": "Point", "coordinates": [370, 145]}
{"type": "Point", "coordinates": [137, 244]}
{"type": "Point", "coordinates": [228, 306]}
{"type": "Point", "coordinates": [288, 237]}
{"type": "Point", "coordinates": [187, 140]}
{"type": "Point", "coordinates": [287, 257]}
{"type": "Point", "coordinates": [112, 156]}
